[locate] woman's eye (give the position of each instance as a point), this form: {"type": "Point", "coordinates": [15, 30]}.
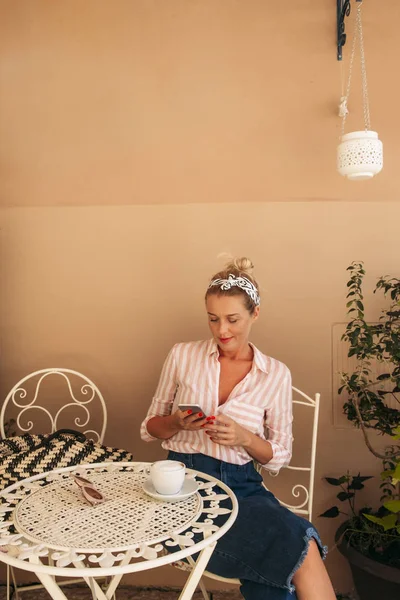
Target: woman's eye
{"type": "Point", "coordinates": [233, 321]}
{"type": "Point", "coordinates": [213, 320]}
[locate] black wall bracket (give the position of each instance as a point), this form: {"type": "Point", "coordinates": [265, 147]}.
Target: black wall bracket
{"type": "Point", "coordinates": [343, 8]}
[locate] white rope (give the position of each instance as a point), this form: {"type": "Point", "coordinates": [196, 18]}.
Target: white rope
{"type": "Point", "coordinates": [343, 105]}
{"type": "Point", "coordinates": [367, 120]}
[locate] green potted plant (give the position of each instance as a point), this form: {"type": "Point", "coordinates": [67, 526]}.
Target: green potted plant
{"type": "Point", "coordinates": [370, 538]}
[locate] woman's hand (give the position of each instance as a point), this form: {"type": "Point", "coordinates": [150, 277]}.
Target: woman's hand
{"type": "Point", "coordinates": [225, 431]}
{"type": "Point", "coordinates": [188, 422]}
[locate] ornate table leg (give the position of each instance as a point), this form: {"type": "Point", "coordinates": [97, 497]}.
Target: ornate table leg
{"type": "Point", "coordinates": [197, 572]}
{"type": "Point", "coordinates": [51, 586]}
{"type": "Point", "coordinates": [111, 589]}
{"type": "Point", "coordinates": [97, 592]}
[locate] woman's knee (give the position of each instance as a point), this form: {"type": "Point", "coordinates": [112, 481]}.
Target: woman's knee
{"type": "Point", "coordinates": [312, 557]}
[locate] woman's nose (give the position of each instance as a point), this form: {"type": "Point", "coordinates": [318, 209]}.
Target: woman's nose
{"type": "Point", "coordinates": [223, 328]}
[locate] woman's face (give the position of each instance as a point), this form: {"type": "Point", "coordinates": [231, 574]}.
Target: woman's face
{"type": "Point", "coordinates": [229, 321]}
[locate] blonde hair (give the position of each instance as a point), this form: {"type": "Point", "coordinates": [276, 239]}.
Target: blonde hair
{"type": "Point", "coordinates": [239, 267]}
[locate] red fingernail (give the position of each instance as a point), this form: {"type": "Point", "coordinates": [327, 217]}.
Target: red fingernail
{"type": "Point", "coordinates": [200, 414]}
{"type": "Point", "coordinates": [212, 417]}
{"type": "Point", "coordinates": [189, 412]}
{"type": "Point", "coordinates": [204, 425]}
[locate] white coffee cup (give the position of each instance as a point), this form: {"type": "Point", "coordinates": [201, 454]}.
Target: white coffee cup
{"type": "Point", "coordinates": [167, 476]}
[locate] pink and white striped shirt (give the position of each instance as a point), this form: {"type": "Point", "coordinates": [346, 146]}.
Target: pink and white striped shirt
{"type": "Point", "coordinates": [261, 402]}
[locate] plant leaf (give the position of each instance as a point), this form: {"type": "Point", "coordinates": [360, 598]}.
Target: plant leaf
{"type": "Point", "coordinates": [331, 513]}
{"type": "Point", "coordinates": [386, 474]}
{"type": "Point", "coordinates": [387, 522]}
{"type": "Point", "coordinates": [342, 496]}
{"type": "Point", "coordinates": [396, 475]}
{"type": "Point", "coordinates": [356, 484]}
{"type": "Point", "coordinates": [393, 506]}
{"type": "Point", "coordinates": [334, 481]}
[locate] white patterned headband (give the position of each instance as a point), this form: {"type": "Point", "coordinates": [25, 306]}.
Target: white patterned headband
{"type": "Point", "coordinates": [241, 282]}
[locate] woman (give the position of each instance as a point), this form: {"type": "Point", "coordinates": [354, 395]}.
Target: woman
{"type": "Point", "coordinates": [247, 399]}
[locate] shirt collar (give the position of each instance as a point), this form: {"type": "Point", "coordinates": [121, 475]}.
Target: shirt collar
{"type": "Point", "coordinates": [212, 347]}
{"type": "Point", "coordinates": [259, 359]}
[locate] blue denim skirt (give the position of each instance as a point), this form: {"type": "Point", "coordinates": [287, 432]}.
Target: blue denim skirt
{"type": "Point", "coordinates": [267, 543]}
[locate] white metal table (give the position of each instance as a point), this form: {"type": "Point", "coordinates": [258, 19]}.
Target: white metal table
{"type": "Point", "coordinates": [46, 526]}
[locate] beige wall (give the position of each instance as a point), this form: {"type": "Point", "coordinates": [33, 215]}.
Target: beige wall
{"type": "Point", "coordinates": [160, 101]}
{"type": "Point", "coordinates": [175, 131]}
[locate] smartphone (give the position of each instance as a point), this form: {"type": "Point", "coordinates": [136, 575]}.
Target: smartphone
{"type": "Point", "coordinates": [195, 408]}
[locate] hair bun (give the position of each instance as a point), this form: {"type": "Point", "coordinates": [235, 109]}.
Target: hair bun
{"type": "Point", "coordinates": [242, 264]}
{"type": "Point", "coordinates": [236, 279]}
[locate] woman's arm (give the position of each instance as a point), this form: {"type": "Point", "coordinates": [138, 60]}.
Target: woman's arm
{"type": "Point", "coordinates": [160, 423]}
{"type": "Point", "coordinates": [259, 449]}
{"type": "Point", "coordinates": [164, 428]}
{"type": "Point", "coordinates": [229, 433]}
{"type": "Point", "coordinates": [161, 405]}
{"type": "Point", "coordinates": [278, 424]}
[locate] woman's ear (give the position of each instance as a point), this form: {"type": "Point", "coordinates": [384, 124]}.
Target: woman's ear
{"type": "Point", "coordinates": [256, 313]}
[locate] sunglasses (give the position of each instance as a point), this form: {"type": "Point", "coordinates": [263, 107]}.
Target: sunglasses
{"type": "Point", "coordinates": [89, 492]}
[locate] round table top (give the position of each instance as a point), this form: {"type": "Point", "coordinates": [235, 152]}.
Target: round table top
{"type": "Point", "coordinates": [46, 517]}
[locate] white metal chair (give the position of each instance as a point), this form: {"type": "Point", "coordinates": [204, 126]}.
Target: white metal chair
{"type": "Point", "coordinates": [21, 404]}
{"type": "Point", "coordinates": [74, 380]}
{"type": "Point", "coordinates": [303, 508]}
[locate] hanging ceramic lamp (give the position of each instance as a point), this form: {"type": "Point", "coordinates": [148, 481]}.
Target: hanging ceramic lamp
{"type": "Point", "coordinates": [360, 153]}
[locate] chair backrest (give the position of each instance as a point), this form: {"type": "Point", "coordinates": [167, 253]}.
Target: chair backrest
{"type": "Point", "coordinates": [307, 491]}
{"type": "Point", "coordinates": [82, 392]}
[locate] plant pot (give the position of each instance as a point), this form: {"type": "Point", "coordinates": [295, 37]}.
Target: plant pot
{"type": "Point", "coordinates": [373, 580]}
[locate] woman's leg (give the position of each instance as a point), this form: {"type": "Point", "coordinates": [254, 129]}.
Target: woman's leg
{"type": "Point", "coordinates": [272, 552]}
{"type": "Point", "coordinates": [266, 542]}
{"type": "Point", "coordinates": [311, 579]}
{"type": "Point", "coordinates": [251, 590]}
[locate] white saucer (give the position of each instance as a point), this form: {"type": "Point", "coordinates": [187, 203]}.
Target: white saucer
{"type": "Point", "coordinates": [190, 487]}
